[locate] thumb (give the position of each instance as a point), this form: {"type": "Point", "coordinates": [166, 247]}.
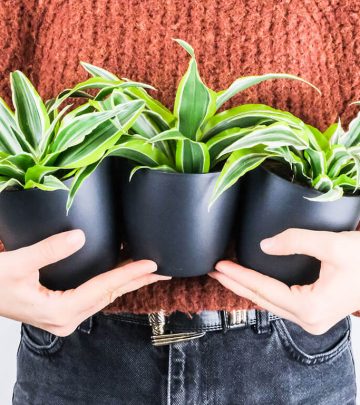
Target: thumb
{"type": "Point", "coordinates": [48, 251]}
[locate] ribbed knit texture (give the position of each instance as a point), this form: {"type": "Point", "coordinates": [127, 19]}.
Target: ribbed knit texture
{"type": "Point", "coordinates": [316, 39]}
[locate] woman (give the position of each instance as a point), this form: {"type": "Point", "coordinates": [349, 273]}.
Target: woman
{"type": "Point", "coordinates": [301, 356]}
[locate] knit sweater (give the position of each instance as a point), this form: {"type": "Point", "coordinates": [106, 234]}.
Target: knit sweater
{"type": "Point", "coordinates": [316, 39]}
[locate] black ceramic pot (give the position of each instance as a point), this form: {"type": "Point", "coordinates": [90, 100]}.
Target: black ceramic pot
{"type": "Point", "coordinates": [269, 205]}
{"type": "Point", "coordinates": [166, 219]}
{"type": "Point", "coordinates": [28, 216]}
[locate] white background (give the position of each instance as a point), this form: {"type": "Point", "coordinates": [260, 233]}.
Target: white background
{"type": "Point", "coordinates": [9, 340]}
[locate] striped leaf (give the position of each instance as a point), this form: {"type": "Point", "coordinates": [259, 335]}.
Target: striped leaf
{"type": "Point", "coordinates": [237, 165]}
{"type": "Point", "coordinates": [274, 136]}
{"type": "Point", "coordinates": [7, 183]}
{"type": "Point", "coordinates": [171, 134]}
{"type": "Point", "coordinates": [352, 136]}
{"type": "Point", "coordinates": [248, 115]}
{"type": "Point", "coordinates": [224, 139]}
{"type": "Point", "coordinates": [194, 102]}
{"type": "Point", "coordinates": [49, 183]}
{"type": "Point", "coordinates": [192, 157]}
{"type": "Point", "coordinates": [162, 168]}
{"type": "Point", "coordinates": [244, 83]}
{"type": "Point", "coordinates": [80, 176]}
{"type": "Point", "coordinates": [98, 71]}
{"type": "Point", "coordinates": [75, 131]}
{"type": "Point", "coordinates": [317, 160]}
{"type": "Point", "coordinates": [37, 172]}
{"type": "Point", "coordinates": [332, 195]}
{"type": "Point", "coordinates": [137, 93]}
{"type": "Point", "coordinates": [30, 111]}
{"type": "Point", "coordinates": [9, 142]}
{"type": "Point", "coordinates": [140, 152]}
{"type": "Point", "coordinates": [91, 149]}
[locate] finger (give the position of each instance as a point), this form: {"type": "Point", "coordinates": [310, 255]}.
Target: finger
{"type": "Point", "coordinates": [47, 251]}
{"type": "Point", "coordinates": [318, 244]}
{"type": "Point", "coordinates": [104, 286]}
{"type": "Point", "coordinates": [131, 286]}
{"type": "Point", "coordinates": [246, 293]}
{"type": "Point", "coordinates": [260, 285]}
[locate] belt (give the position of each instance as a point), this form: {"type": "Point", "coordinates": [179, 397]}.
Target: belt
{"type": "Point", "coordinates": [180, 327]}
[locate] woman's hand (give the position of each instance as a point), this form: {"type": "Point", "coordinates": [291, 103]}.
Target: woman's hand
{"type": "Point", "coordinates": [23, 298]}
{"type": "Point", "coordinates": [316, 307]}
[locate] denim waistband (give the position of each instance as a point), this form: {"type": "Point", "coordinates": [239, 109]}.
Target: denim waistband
{"type": "Point", "coordinates": [205, 321]}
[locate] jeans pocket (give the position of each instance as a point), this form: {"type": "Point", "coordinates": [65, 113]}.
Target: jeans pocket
{"type": "Point", "coordinates": [312, 349]}
{"type": "Point", "coordinates": [40, 341]}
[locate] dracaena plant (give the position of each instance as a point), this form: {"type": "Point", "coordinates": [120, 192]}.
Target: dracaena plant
{"type": "Point", "coordinates": [41, 147]}
{"type": "Point", "coordinates": [330, 163]}
{"type": "Point", "coordinates": [192, 138]}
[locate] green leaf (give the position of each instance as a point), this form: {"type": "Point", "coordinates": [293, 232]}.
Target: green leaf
{"type": "Point", "coordinates": [352, 136]}
{"type": "Point", "coordinates": [37, 172]}
{"type": "Point", "coordinates": [274, 136]}
{"type": "Point", "coordinates": [192, 157]}
{"type": "Point", "coordinates": [49, 183]}
{"type": "Point", "coordinates": [91, 149]}
{"type": "Point", "coordinates": [8, 169]}
{"type": "Point", "coordinates": [317, 160]}
{"type": "Point", "coordinates": [317, 139]}
{"type": "Point", "coordinates": [98, 71]}
{"type": "Point", "coordinates": [50, 133]}
{"type": "Point", "coordinates": [8, 137]}
{"type": "Point", "coordinates": [79, 178]}
{"type": "Point", "coordinates": [30, 110]}
{"type": "Point", "coordinates": [194, 102]}
{"type": "Point", "coordinates": [337, 158]}
{"type": "Point", "coordinates": [140, 152]}
{"type": "Point", "coordinates": [237, 165]}
{"type": "Point", "coordinates": [171, 134]}
{"type": "Point", "coordinates": [162, 168]}
{"type": "Point", "coordinates": [92, 83]}
{"type": "Point", "coordinates": [248, 115]}
{"type": "Point", "coordinates": [74, 132]}
{"type": "Point", "coordinates": [244, 83]}
{"type": "Point", "coordinates": [5, 183]}
{"type": "Point", "coordinates": [332, 195]}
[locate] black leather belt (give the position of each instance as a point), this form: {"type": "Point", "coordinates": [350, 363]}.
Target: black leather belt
{"type": "Point", "coordinates": [179, 327]}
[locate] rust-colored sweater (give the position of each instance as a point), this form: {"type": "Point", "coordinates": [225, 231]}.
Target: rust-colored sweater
{"type": "Point", "coordinates": [316, 39]}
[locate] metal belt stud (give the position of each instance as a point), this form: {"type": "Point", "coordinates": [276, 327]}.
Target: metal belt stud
{"type": "Point", "coordinates": [157, 322]}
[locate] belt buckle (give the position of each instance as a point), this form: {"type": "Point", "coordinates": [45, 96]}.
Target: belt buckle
{"type": "Point", "coordinates": [157, 322]}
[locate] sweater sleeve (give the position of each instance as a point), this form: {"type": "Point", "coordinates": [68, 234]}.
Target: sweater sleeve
{"type": "Point", "coordinates": [16, 26]}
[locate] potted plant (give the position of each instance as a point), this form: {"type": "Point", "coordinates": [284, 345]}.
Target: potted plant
{"type": "Point", "coordinates": [175, 165]}
{"type": "Point", "coordinates": [313, 188]}
{"type": "Point", "coordinates": [45, 156]}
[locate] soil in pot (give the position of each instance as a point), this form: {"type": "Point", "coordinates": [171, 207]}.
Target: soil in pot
{"type": "Point", "coordinates": [166, 219]}
{"type": "Point", "coordinates": [28, 216]}
{"type": "Point", "coordinates": [270, 204]}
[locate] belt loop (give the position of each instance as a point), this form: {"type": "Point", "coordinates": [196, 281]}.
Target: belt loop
{"type": "Point", "coordinates": [86, 326]}
{"type": "Point", "coordinates": [262, 322]}
{"type": "Point", "coordinates": [224, 320]}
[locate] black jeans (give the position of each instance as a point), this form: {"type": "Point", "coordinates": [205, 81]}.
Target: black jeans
{"type": "Point", "coordinates": [110, 360]}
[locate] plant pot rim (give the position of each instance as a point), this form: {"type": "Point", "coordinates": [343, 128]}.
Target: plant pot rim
{"type": "Point", "coordinates": [306, 189]}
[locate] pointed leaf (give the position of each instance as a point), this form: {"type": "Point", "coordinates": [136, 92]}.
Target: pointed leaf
{"type": "Point", "coordinates": [244, 83]}
{"type": "Point", "coordinates": [30, 110]}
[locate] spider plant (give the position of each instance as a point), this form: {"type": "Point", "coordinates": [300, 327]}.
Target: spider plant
{"type": "Point", "coordinates": [192, 138]}
{"type": "Point", "coordinates": [41, 147]}
{"type": "Point", "coordinates": [330, 163]}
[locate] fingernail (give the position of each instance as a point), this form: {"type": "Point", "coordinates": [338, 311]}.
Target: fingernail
{"type": "Point", "coordinates": [75, 237]}
{"type": "Point", "coordinates": [165, 278]}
